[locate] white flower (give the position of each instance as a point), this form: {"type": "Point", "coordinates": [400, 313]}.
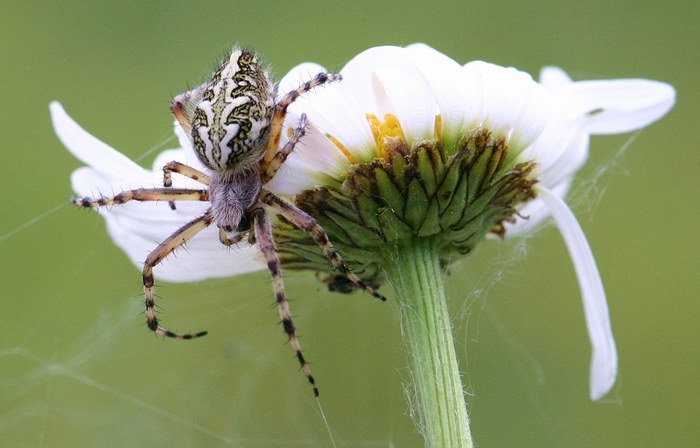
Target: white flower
{"type": "Point", "coordinates": [415, 93]}
{"type": "Point", "coordinates": [549, 122]}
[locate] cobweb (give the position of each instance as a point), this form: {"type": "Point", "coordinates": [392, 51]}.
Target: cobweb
{"type": "Point", "coordinates": [106, 384]}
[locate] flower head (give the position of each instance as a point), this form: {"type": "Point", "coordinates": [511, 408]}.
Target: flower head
{"type": "Point", "coordinates": [409, 145]}
{"type": "Point", "coordinates": [414, 102]}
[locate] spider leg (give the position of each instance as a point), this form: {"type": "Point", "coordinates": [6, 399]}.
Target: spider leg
{"type": "Point", "coordinates": [280, 156]}
{"type": "Point", "coordinates": [171, 243]}
{"type": "Point", "coordinates": [281, 110]}
{"type": "Point", "coordinates": [307, 223]}
{"type": "Point", "coordinates": [263, 233]}
{"type": "Point", "coordinates": [184, 170]}
{"type": "Point", "coordinates": [143, 195]}
{"type": "Point", "coordinates": [181, 103]}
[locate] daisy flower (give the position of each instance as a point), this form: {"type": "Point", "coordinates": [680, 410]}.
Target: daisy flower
{"type": "Point", "coordinates": [408, 163]}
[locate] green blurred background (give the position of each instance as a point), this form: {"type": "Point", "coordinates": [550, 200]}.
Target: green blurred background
{"type": "Point", "coordinates": [78, 367]}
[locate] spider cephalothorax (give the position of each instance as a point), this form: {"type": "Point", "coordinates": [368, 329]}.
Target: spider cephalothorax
{"type": "Point", "coordinates": [234, 124]}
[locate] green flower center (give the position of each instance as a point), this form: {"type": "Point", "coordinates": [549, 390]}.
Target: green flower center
{"type": "Point", "coordinates": [453, 196]}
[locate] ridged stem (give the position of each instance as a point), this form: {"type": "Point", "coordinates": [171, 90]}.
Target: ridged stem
{"type": "Point", "coordinates": [437, 400]}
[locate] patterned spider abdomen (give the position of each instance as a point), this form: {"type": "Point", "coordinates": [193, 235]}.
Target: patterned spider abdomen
{"type": "Point", "coordinates": [231, 122]}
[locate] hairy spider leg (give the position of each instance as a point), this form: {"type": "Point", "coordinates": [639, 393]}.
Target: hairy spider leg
{"type": "Point", "coordinates": [281, 111]}
{"type": "Point", "coordinates": [184, 170]}
{"type": "Point", "coordinates": [307, 223]}
{"type": "Point", "coordinates": [263, 233]}
{"type": "Point", "coordinates": [168, 246]}
{"type": "Point", "coordinates": [180, 102]}
{"type": "Point", "coordinates": [269, 170]}
{"type": "Point", "coordinates": [143, 195]}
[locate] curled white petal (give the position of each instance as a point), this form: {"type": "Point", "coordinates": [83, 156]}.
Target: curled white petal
{"type": "Point", "coordinates": [137, 228]}
{"type": "Point", "coordinates": [623, 105]}
{"type": "Point", "coordinates": [604, 359]}
{"type": "Point", "coordinates": [87, 148]}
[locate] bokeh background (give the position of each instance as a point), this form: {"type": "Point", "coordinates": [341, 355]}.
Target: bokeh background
{"type": "Point", "coordinates": [78, 367]}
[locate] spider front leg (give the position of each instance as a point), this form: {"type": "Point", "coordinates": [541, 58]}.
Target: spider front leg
{"type": "Point", "coordinates": [269, 170]}
{"type": "Point", "coordinates": [174, 241]}
{"type": "Point", "coordinates": [181, 106]}
{"type": "Point", "coordinates": [307, 223]}
{"type": "Point", "coordinates": [281, 110]}
{"type": "Point", "coordinates": [263, 233]}
{"type": "Point", "coordinates": [184, 170]}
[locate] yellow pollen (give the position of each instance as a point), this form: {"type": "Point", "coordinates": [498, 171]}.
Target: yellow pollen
{"type": "Point", "coordinates": [390, 127]}
{"type": "Point", "coordinates": [438, 127]}
{"type": "Point", "coordinates": [348, 155]}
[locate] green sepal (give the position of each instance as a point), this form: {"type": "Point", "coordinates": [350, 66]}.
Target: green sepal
{"type": "Point", "coordinates": [394, 227]}
{"type": "Point", "coordinates": [388, 192]}
{"type": "Point", "coordinates": [415, 205]}
{"type": "Point", "coordinates": [431, 223]}
{"type": "Point", "coordinates": [359, 235]}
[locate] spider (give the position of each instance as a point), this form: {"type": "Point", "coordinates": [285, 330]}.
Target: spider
{"type": "Point", "coordinates": [234, 125]}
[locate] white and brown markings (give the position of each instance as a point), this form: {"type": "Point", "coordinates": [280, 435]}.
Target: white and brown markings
{"type": "Point", "coordinates": [235, 124]}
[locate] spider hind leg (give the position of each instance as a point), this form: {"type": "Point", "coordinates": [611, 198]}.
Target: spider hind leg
{"type": "Point", "coordinates": [263, 233]}
{"type": "Point", "coordinates": [307, 223]}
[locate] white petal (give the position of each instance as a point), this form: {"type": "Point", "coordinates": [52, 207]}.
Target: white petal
{"type": "Point", "coordinates": [182, 156]}
{"type": "Point", "coordinates": [457, 91]}
{"type": "Point", "coordinates": [604, 360]}
{"type": "Point", "coordinates": [554, 77]}
{"type": "Point", "coordinates": [358, 77]}
{"type": "Point", "coordinates": [88, 181]}
{"type": "Point", "coordinates": [560, 150]}
{"type": "Point", "coordinates": [201, 258]}
{"type": "Point", "coordinates": [534, 212]}
{"type": "Point", "coordinates": [411, 98]}
{"type": "Point", "coordinates": [515, 106]}
{"type": "Point", "coordinates": [314, 157]}
{"type": "Point", "coordinates": [138, 227]}
{"type": "Point", "coordinates": [297, 76]}
{"type": "Point", "coordinates": [622, 105]}
{"type": "Point", "coordinates": [87, 148]}
{"type": "Point", "coordinates": [293, 177]}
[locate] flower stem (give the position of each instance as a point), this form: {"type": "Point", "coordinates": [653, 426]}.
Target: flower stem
{"type": "Point", "coordinates": [438, 402]}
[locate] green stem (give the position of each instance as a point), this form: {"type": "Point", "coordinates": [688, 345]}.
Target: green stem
{"type": "Point", "coordinates": [438, 402]}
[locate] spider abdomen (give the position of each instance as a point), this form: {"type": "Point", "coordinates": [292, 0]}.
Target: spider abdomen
{"type": "Point", "coordinates": [231, 122]}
